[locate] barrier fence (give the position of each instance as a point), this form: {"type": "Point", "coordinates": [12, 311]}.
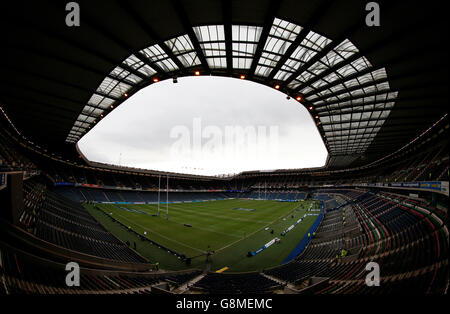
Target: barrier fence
{"type": "Point", "coordinates": [306, 239]}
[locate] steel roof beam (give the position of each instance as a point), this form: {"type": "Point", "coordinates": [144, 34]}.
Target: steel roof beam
{"type": "Point", "coordinates": [272, 10]}
{"type": "Point", "coordinates": [125, 5]}
{"type": "Point", "coordinates": [376, 93]}
{"type": "Point", "coordinates": [182, 15]}
{"type": "Point", "coordinates": [331, 113]}
{"type": "Point", "coordinates": [316, 15]}
{"type": "Point", "coordinates": [226, 7]}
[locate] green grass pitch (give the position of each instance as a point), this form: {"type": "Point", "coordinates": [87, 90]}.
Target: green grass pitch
{"type": "Point", "coordinates": [216, 225]}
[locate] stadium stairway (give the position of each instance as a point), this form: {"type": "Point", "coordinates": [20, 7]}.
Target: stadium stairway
{"type": "Point", "coordinates": [25, 273]}
{"type": "Point", "coordinates": [288, 288]}
{"type": "Point", "coordinates": [233, 283]}
{"type": "Point", "coordinates": [184, 288]}
{"type": "Point", "coordinates": [410, 245]}
{"type": "Point", "coordinates": [65, 223]}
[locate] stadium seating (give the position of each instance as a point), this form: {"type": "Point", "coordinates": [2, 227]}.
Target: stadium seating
{"type": "Point", "coordinates": [405, 234]}
{"type": "Point", "coordinates": [58, 220]}
{"type": "Point", "coordinates": [10, 158]}
{"type": "Point", "coordinates": [253, 283]}
{"type": "Point", "coordinates": [409, 246]}
{"type": "Point", "coordinates": [24, 273]}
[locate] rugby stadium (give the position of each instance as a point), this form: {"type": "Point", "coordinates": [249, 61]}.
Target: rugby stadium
{"type": "Point", "coordinates": [372, 221]}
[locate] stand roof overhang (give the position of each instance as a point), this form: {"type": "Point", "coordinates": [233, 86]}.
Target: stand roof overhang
{"type": "Point", "coordinates": [370, 90]}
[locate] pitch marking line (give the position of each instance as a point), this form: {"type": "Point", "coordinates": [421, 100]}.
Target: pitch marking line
{"type": "Point", "coordinates": [280, 217]}
{"type": "Point", "coordinates": [179, 221]}
{"type": "Point", "coordinates": [221, 249]}
{"type": "Point", "coordinates": [189, 210]}
{"type": "Point", "coordinates": [167, 238]}
{"type": "Point", "coordinates": [218, 216]}
{"type": "Point", "coordinates": [203, 206]}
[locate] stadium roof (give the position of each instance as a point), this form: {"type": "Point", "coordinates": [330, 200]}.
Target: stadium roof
{"type": "Point", "coordinates": [369, 89]}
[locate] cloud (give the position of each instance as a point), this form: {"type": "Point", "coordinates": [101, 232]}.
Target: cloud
{"type": "Point", "coordinates": [201, 111]}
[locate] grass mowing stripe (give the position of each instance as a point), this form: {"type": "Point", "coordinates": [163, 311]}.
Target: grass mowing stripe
{"type": "Point", "coordinates": [195, 211]}
{"type": "Point", "coordinates": [146, 249]}
{"type": "Point", "coordinates": [221, 221]}
{"type": "Point", "coordinates": [167, 238]}
{"type": "Point", "coordinates": [181, 207]}
{"type": "Point", "coordinates": [273, 222]}
{"type": "Point", "coordinates": [216, 226]}
{"type": "Point", "coordinates": [236, 259]}
{"type": "Point", "coordinates": [218, 216]}
{"type": "Point", "coordinates": [190, 214]}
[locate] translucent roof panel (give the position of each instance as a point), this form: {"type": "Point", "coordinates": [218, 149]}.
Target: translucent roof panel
{"type": "Point", "coordinates": [281, 36]}
{"type": "Point", "coordinates": [246, 33]}
{"type": "Point", "coordinates": [156, 55]}
{"type": "Point", "coordinates": [309, 47]}
{"type": "Point", "coordinates": [189, 59]}
{"type": "Point", "coordinates": [212, 42]}
{"type": "Point", "coordinates": [352, 108]}
{"type": "Point", "coordinates": [217, 63]}
{"type": "Point", "coordinates": [213, 49]}
{"type": "Point", "coordinates": [245, 40]}
{"type": "Point", "coordinates": [125, 76]}
{"type": "Point", "coordinates": [337, 55]}
{"type": "Point", "coordinates": [113, 88]}
{"type": "Point", "coordinates": [100, 101]}
{"type": "Point", "coordinates": [139, 65]}
{"type": "Point", "coordinates": [209, 33]}
{"type": "Point", "coordinates": [351, 97]}
{"type": "Point", "coordinates": [352, 130]}
{"type": "Point", "coordinates": [183, 49]}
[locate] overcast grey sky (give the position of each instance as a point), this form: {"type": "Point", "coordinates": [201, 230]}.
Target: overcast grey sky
{"type": "Point", "coordinates": [207, 125]}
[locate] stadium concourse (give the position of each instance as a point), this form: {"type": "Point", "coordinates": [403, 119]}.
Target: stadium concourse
{"type": "Point", "coordinates": [379, 103]}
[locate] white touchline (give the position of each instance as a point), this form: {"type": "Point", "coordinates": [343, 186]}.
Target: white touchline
{"type": "Point", "coordinates": [257, 230]}
{"type": "Point", "coordinates": [170, 239]}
